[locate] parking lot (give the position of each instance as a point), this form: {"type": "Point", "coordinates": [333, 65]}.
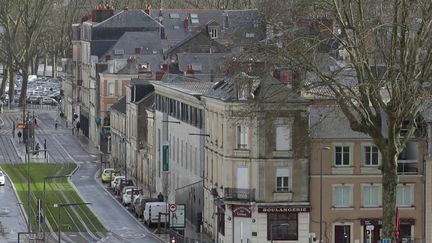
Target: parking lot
{"type": "Point", "coordinates": [40, 91]}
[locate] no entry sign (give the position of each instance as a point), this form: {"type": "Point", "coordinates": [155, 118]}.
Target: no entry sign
{"type": "Point", "coordinates": [172, 207]}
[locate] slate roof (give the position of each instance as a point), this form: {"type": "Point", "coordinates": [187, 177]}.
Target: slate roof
{"type": "Point", "coordinates": [269, 90]}
{"type": "Point", "coordinates": [129, 19]}
{"type": "Point", "coordinates": [131, 68]}
{"type": "Point", "coordinates": [328, 122]}
{"type": "Point", "coordinates": [241, 22]}
{"type": "Point", "coordinates": [207, 62]}
{"type": "Point", "coordinates": [120, 105]}
{"type": "Point", "coordinates": [100, 47]}
{"type": "Point", "coordinates": [174, 26]}
{"type": "Point", "coordinates": [185, 85]}
{"type": "Point", "coordinates": [148, 41]}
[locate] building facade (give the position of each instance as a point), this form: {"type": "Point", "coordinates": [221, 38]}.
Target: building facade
{"type": "Point", "coordinates": [351, 198]}
{"type": "Point", "coordinates": [256, 162]}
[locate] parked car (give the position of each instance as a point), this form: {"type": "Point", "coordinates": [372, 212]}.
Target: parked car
{"type": "Point", "coordinates": [48, 101]}
{"type": "Point", "coordinates": [151, 213]}
{"type": "Point", "coordinates": [34, 99]}
{"type": "Point", "coordinates": [116, 180]}
{"type": "Point", "coordinates": [108, 174]}
{"type": "Point", "coordinates": [128, 194]}
{"type": "Point", "coordinates": [139, 204]}
{"type": "Point", "coordinates": [125, 188]}
{"type": "Point", "coordinates": [121, 185]}
{"type": "Point", "coordinates": [2, 178]}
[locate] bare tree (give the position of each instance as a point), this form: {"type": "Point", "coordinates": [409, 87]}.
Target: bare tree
{"type": "Point", "coordinates": [382, 84]}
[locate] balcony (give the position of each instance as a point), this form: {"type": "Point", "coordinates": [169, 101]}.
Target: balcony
{"type": "Point", "coordinates": [239, 194]}
{"type": "Point", "coordinates": [407, 167]}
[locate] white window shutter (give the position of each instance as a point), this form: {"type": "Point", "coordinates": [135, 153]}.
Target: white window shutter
{"type": "Point", "coordinates": [283, 137]}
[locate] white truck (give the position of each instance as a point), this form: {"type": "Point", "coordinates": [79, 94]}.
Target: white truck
{"type": "Point", "coordinates": [151, 213]}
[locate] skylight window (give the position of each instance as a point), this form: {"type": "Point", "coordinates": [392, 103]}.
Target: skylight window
{"type": "Point", "coordinates": [196, 66]}
{"type": "Point", "coordinates": [174, 15]}
{"type": "Point", "coordinates": [176, 27]}
{"type": "Point", "coordinates": [118, 52]}
{"type": "Point", "coordinates": [194, 16]}
{"type": "Point", "coordinates": [195, 21]}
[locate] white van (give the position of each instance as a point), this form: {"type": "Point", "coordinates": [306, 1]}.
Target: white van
{"type": "Point", "coordinates": [152, 210]}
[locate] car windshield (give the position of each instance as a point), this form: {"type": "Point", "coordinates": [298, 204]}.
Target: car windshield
{"type": "Point", "coordinates": [1, 173]}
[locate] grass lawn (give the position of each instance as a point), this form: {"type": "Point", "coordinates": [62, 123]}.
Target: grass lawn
{"type": "Point", "coordinates": [73, 219]}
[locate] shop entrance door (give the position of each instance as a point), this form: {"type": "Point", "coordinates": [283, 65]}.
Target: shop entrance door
{"type": "Point", "coordinates": [242, 230]}
{"type": "Point", "coordinates": [342, 234]}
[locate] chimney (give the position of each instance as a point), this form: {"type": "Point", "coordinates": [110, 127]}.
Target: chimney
{"type": "Point", "coordinates": [159, 75]}
{"type": "Point", "coordinates": [137, 50]}
{"type": "Point", "coordinates": [186, 23]}
{"type": "Point", "coordinates": [287, 77]}
{"type": "Point", "coordinates": [162, 33]}
{"type": "Point", "coordinates": [102, 12]}
{"type": "Point", "coordinates": [131, 60]}
{"type": "Point", "coordinates": [107, 57]}
{"type": "Point", "coordinates": [160, 16]}
{"type": "Point", "coordinates": [147, 9]}
{"type": "Point", "coordinates": [276, 74]}
{"type": "Point", "coordinates": [190, 72]}
{"type": "Point", "coordinates": [165, 67]}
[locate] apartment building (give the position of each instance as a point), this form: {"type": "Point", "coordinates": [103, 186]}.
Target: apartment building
{"type": "Point", "coordinates": [256, 162]}
{"type": "Point", "coordinates": [351, 198]}
{"type": "Point", "coordinates": [179, 142]}
{"type": "Point", "coordinates": [139, 97]}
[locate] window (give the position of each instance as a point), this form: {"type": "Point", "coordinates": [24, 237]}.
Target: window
{"type": "Point", "coordinates": [242, 137]}
{"type": "Point", "coordinates": [110, 89]}
{"type": "Point", "coordinates": [342, 196]}
{"type": "Point", "coordinates": [404, 195]}
{"type": "Point", "coordinates": [282, 226]}
{"type": "Point", "coordinates": [342, 155]}
{"type": "Point", "coordinates": [283, 137]}
{"type": "Point", "coordinates": [370, 155]}
{"type": "Point", "coordinates": [282, 179]}
{"type": "Point", "coordinates": [213, 33]}
{"type": "Point", "coordinates": [371, 195]}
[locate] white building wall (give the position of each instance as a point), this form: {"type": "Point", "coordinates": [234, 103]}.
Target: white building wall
{"type": "Point", "coordinates": [178, 170]}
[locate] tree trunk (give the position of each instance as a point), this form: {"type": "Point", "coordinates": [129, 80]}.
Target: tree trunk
{"type": "Point", "coordinates": [54, 66]}
{"type": "Point", "coordinates": [45, 65]}
{"type": "Point", "coordinates": [23, 96]}
{"type": "Point", "coordinates": [4, 80]}
{"type": "Point", "coordinates": [389, 184]}
{"type": "Point", "coordinates": [11, 91]}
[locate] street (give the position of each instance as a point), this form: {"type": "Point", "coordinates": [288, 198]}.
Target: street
{"type": "Point", "coordinates": [64, 147]}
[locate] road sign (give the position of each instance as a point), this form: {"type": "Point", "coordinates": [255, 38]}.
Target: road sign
{"type": "Point", "coordinates": [172, 207]}
{"type": "Point", "coordinates": [177, 218]}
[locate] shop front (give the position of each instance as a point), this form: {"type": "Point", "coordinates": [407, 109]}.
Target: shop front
{"type": "Point", "coordinates": [372, 230]}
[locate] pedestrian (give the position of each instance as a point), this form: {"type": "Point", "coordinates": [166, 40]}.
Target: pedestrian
{"type": "Point", "coordinates": [13, 129]}
{"type": "Point", "coordinates": [19, 136]}
{"type": "Point", "coordinates": [36, 151]}
{"type": "Point", "coordinates": [160, 197]}
{"type": "Point", "coordinates": [35, 121]}
{"type": "Point", "coordinates": [55, 124]}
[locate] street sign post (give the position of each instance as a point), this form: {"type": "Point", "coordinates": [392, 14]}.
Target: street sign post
{"type": "Point", "coordinates": [177, 215]}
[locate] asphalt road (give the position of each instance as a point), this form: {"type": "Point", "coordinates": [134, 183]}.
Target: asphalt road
{"type": "Point", "coordinates": [64, 147]}
{"type": "Point", "coordinates": [11, 219]}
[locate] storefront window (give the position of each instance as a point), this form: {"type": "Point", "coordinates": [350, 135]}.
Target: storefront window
{"type": "Point", "coordinates": [282, 226]}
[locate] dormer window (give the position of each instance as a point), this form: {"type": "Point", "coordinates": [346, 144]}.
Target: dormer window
{"type": "Point", "coordinates": [213, 32]}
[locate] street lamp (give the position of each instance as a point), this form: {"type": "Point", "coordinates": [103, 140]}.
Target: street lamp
{"type": "Point", "coordinates": [321, 193]}
{"type": "Point", "coordinates": [62, 205]}
{"type": "Point", "coordinates": [271, 230]}
{"type": "Point", "coordinates": [44, 195]}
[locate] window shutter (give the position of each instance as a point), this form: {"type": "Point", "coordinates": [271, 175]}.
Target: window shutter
{"type": "Point", "coordinates": [283, 138]}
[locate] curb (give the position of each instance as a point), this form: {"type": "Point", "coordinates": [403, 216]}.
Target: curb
{"type": "Point", "coordinates": [115, 199]}
{"type": "Point", "coordinates": [23, 213]}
